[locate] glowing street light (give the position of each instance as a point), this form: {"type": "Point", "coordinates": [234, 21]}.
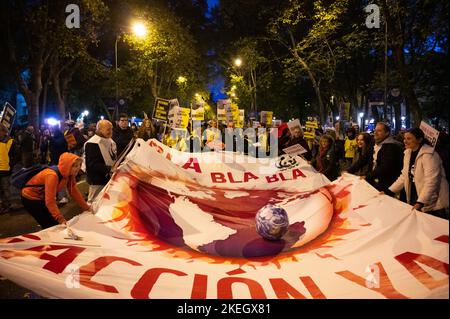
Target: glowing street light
{"type": "Point", "coordinates": [85, 113]}
{"type": "Point", "coordinates": [238, 62]}
{"type": "Point", "coordinates": [139, 29]}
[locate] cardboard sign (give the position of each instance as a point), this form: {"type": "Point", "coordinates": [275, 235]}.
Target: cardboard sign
{"type": "Point", "coordinates": [293, 125]}
{"type": "Point", "coordinates": [295, 149]}
{"type": "Point", "coordinates": [161, 109]}
{"type": "Point", "coordinates": [312, 124]}
{"type": "Point", "coordinates": [178, 116]}
{"type": "Point", "coordinates": [240, 122]}
{"type": "Point", "coordinates": [8, 116]}
{"type": "Point", "coordinates": [431, 134]}
{"type": "Point", "coordinates": [266, 117]}
{"type": "Point", "coordinates": [222, 106]}
{"type": "Point", "coordinates": [198, 111]}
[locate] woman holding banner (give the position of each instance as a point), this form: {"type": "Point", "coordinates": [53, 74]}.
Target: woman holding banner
{"type": "Point", "coordinates": [422, 176]}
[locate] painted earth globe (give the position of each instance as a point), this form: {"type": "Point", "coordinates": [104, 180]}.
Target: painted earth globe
{"type": "Point", "coordinates": [272, 222]}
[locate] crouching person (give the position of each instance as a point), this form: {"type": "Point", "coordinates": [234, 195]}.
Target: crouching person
{"type": "Point", "coordinates": [39, 193]}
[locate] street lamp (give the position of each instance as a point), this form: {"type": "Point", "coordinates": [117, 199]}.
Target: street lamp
{"type": "Point", "coordinates": [238, 62]}
{"type": "Point", "coordinates": [140, 30]}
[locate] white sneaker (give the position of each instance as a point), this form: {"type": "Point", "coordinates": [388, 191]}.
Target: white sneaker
{"type": "Point", "coordinates": [63, 200]}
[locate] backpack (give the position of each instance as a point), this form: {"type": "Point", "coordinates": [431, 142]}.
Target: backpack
{"type": "Point", "coordinates": [20, 178]}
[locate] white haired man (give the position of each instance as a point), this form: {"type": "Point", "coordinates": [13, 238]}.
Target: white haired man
{"type": "Point", "coordinates": [100, 153]}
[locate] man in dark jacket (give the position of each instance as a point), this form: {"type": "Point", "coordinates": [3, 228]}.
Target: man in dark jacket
{"type": "Point", "coordinates": [122, 133]}
{"type": "Point", "coordinates": [388, 159]}
{"type": "Point", "coordinates": [100, 153]}
{"type": "Point", "coordinates": [287, 139]}
{"type": "Point", "coordinates": [28, 146]}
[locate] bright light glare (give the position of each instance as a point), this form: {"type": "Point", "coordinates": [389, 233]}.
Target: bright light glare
{"type": "Point", "coordinates": [238, 62]}
{"type": "Point", "coordinates": [139, 29]}
{"type": "Point", "coordinates": [52, 121]}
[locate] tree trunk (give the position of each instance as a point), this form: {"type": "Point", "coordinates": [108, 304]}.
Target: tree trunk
{"type": "Point", "coordinates": [398, 119]}
{"type": "Point", "coordinates": [44, 98]}
{"type": "Point", "coordinates": [59, 96]}
{"type": "Point", "coordinates": [397, 34]}
{"type": "Point", "coordinates": [315, 86]}
{"type": "Point", "coordinates": [407, 87]}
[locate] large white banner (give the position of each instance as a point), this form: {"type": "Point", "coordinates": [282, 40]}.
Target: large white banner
{"type": "Point", "coordinates": [182, 225]}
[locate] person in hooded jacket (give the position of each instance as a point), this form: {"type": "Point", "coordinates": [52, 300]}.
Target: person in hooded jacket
{"type": "Point", "coordinates": [40, 201]}
{"type": "Point", "coordinates": [387, 159]}
{"type": "Point", "coordinates": [423, 176]}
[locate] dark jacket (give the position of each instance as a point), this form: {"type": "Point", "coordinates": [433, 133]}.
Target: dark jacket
{"type": "Point", "coordinates": [58, 145]}
{"type": "Point", "coordinates": [122, 137]}
{"type": "Point", "coordinates": [96, 169]}
{"type": "Point", "coordinates": [362, 163]}
{"type": "Point", "coordinates": [389, 164]}
{"type": "Point", "coordinates": [288, 140]}
{"type": "Point", "coordinates": [27, 142]}
{"type": "Point", "coordinates": [329, 165]}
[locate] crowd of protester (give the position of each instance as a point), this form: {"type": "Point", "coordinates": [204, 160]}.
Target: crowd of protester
{"type": "Point", "coordinates": [403, 165]}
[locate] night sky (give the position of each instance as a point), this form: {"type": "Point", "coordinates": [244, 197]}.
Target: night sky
{"type": "Point", "coordinates": [212, 3]}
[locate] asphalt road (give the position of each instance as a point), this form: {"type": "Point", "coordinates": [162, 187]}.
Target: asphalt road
{"type": "Point", "coordinates": [18, 222]}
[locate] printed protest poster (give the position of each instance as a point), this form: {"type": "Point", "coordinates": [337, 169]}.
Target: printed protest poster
{"type": "Point", "coordinates": [161, 109]}
{"type": "Point", "coordinates": [222, 106]}
{"type": "Point", "coordinates": [232, 112]}
{"type": "Point", "coordinates": [266, 117]}
{"type": "Point", "coordinates": [178, 116]}
{"type": "Point", "coordinates": [294, 125]}
{"type": "Point", "coordinates": [431, 134]}
{"type": "Point", "coordinates": [240, 119]}
{"type": "Point", "coordinates": [295, 149]}
{"type": "Point", "coordinates": [174, 114]}
{"type": "Point", "coordinates": [310, 128]}
{"type": "Point", "coordinates": [8, 116]}
{"type": "Point", "coordinates": [198, 111]}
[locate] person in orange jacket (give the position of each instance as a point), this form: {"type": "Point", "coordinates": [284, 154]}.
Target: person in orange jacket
{"type": "Point", "coordinates": [40, 201]}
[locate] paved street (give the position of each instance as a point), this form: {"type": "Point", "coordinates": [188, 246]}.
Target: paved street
{"type": "Point", "coordinates": [18, 222]}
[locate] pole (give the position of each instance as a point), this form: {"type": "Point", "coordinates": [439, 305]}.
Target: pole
{"type": "Point", "coordinates": [385, 64]}
{"type": "Point", "coordinates": [116, 108]}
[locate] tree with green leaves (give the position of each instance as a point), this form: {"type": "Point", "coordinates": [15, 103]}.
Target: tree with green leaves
{"type": "Point", "coordinates": [157, 60]}
{"type": "Point", "coordinates": [305, 29]}
{"type": "Point", "coordinates": [41, 49]}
